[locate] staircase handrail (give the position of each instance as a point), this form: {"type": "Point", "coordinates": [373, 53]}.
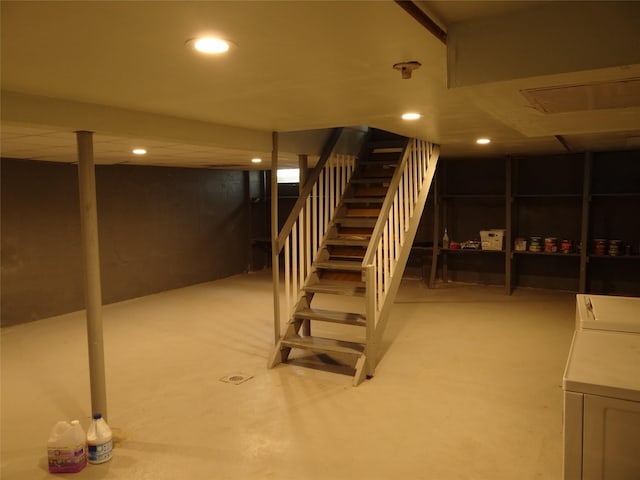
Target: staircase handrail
{"type": "Point", "coordinates": [308, 186]}
{"type": "Point", "coordinates": [390, 244]}
{"type": "Point", "coordinates": [386, 207]}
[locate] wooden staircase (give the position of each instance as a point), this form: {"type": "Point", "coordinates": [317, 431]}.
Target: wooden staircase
{"type": "Point", "coordinates": [340, 268]}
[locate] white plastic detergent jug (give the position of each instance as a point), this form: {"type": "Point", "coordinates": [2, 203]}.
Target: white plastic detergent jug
{"type": "Point", "coordinates": [99, 440]}
{"type": "Point", "coordinates": [67, 448]}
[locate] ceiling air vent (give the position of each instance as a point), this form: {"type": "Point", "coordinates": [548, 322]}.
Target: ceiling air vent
{"type": "Point", "coordinates": [591, 96]}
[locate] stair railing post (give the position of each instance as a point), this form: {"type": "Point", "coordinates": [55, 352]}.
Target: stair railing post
{"type": "Point", "coordinates": [371, 311]}
{"type": "Point", "coordinates": [305, 247]}
{"type": "Point", "coordinates": [275, 247]}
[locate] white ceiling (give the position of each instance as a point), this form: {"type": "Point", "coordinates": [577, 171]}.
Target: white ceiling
{"type": "Point", "coordinates": [122, 70]}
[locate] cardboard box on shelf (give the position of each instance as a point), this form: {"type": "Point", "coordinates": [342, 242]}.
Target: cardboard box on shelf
{"type": "Point", "coordinates": [492, 239]}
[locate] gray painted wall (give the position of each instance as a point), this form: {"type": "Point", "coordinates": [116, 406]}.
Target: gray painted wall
{"type": "Point", "coordinates": [160, 228]}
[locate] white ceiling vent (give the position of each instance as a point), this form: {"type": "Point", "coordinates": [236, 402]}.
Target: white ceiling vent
{"type": "Point", "coordinates": [593, 96]}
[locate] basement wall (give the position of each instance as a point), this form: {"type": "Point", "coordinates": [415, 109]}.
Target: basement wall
{"type": "Point", "coordinates": [160, 228]}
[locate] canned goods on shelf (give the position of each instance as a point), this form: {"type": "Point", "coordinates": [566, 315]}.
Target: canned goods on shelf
{"type": "Point", "coordinates": [615, 247]}
{"type": "Point", "coordinates": [599, 246]}
{"type": "Point", "coordinates": [550, 244]}
{"type": "Point", "coordinates": [566, 245]}
{"type": "Point", "coordinates": [535, 244]}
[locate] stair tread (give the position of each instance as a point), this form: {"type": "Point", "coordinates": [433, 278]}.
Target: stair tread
{"type": "Point", "coordinates": [386, 162]}
{"type": "Point", "coordinates": [339, 265]}
{"type": "Point", "coordinates": [332, 316]}
{"type": "Point", "coordinates": [387, 143]}
{"type": "Point", "coordinates": [364, 200]}
{"type": "Point", "coordinates": [337, 287]}
{"type": "Point", "coordinates": [325, 345]}
{"type": "Point", "coordinates": [370, 180]}
{"type": "Point", "coordinates": [360, 212]}
{"type": "Point", "coordinates": [350, 242]}
{"type": "Point", "coordinates": [357, 221]}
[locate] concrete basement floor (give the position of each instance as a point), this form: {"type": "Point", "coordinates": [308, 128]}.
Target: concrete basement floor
{"type": "Point", "coordinates": [469, 387]}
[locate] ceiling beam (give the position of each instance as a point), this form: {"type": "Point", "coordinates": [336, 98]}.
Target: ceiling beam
{"type": "Point", "coordinates": [423, 19]}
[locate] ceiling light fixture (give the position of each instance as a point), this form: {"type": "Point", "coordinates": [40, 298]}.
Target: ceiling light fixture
{"type": "Point", "coordinates": [411, 116]}
{"type": "Point", "coordinates": [256, 160]}
{"type": "Point", "coordinates": [483, 141]}
{"type": "Point", "coordinates": [209, 45]}
{"type": "Point", "coordinates": [139, 151]}
{"type": "Point", "coordinates": [406, 68]}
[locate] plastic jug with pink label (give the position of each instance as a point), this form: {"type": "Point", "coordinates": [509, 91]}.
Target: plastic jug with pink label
{"type": "Point", "coordinates": [66, 448]}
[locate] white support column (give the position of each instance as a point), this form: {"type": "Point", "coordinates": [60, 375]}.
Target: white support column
{"type": "Point", "coordinates": [93, 290]}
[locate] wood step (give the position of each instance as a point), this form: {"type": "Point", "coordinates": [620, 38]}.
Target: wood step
{"type": "Point", "coordinates": [339, 265]}
{"type": "Point", "coordinates": [356, 222]}
{"type": "Point", "coordinates": [354, 277]}
{"type": "Point", "coordinates": [323, 345]}
{"type": "Point", "coordinates": [371, 181]}
{"type": "Point", "coordinates": [337, 287]}
{"type": "Point", "coordinates": [354, 233]}
{"type": "Point", "coordinates": [370, 191]}
{"type": "Point", "coordinates": [345, 318]}
{"type": "Point", "coordinates": [376, 170]}
{"type": "Point", "coordinates": [350, 252]}
{"type": "Point", "coordinates": [365, 200]}
{"type": "Point", "coordinates": [345, 241]}
{"type": "Point", "coordinates": [395, 143]}
{"type": "Point", "coordinates": [378, 160]}
{"type": "Point", "coordinates": [382, 156]}
{"type": "Point", "coordinates": [363, 212]}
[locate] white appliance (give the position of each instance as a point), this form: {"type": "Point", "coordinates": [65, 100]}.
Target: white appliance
{"type": "Point", "coordinates": [603, 312]}
{"type": "Point", "coordinates": [602, 392]}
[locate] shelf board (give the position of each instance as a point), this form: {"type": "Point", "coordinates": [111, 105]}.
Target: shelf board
{"type": "Point", "coordinates": [421, 248]}
{"type": "Point", "coordinates": [615, 257]}
{"type": "Point", "coordinates": [548, 195]}
{"type": "Point", "coordinates": [615, 195]}
{"type": "Point", "coordinates": [470, 250]}
{"type": "Point", "coordinates": [546, 254]}
{"type": "Point", "coordinates": [474, 195]}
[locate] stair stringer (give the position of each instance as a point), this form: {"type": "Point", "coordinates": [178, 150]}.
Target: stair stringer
{"type": "Point", "coordinates": [406, 251]}
{"type": "Point", "coordinates": [378, 315]}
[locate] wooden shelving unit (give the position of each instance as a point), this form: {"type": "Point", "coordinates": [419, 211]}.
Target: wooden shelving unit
{"type": "Point", "coordinates": [578, 197]}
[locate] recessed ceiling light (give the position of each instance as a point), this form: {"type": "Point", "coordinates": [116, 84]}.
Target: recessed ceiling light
{"type": "Point", "coordinates": [256, 160]}
{"type": "Point", "coordinates": [139, 151]}
{"type": "Point", "coordinates": [209, 45]}
{"type": "Point", "coordinates": [411, 116]}
{"type": "Point", "coordinates": [483, 141]}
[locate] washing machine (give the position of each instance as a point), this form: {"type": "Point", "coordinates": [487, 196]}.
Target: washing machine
{"type": "Point", "coordinates": [604, 312]}
{"type": "Point", "coordinates": [601, 386]}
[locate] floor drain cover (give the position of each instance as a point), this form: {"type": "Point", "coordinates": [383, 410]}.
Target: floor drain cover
{"type": "Point", "coordinates": [236, 378]}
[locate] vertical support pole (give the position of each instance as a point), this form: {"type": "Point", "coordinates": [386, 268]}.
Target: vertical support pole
{"type": "Point", "coordinates": [275, 248]}
{"type": "Point", "coordinates": [93, 290]}
{"type": "Point", "coordinates": [436, 230]}
{"type": "Point", "coordinates": [445, 222]}
{"type": "Point", "coordinates": [508, 254]}
{"type": "Point", "coordinates": [584, 228]}
{"type": "Point", "coordinates": [305, 250]}
{"type": "Point", "coordinates": [246, 177]}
